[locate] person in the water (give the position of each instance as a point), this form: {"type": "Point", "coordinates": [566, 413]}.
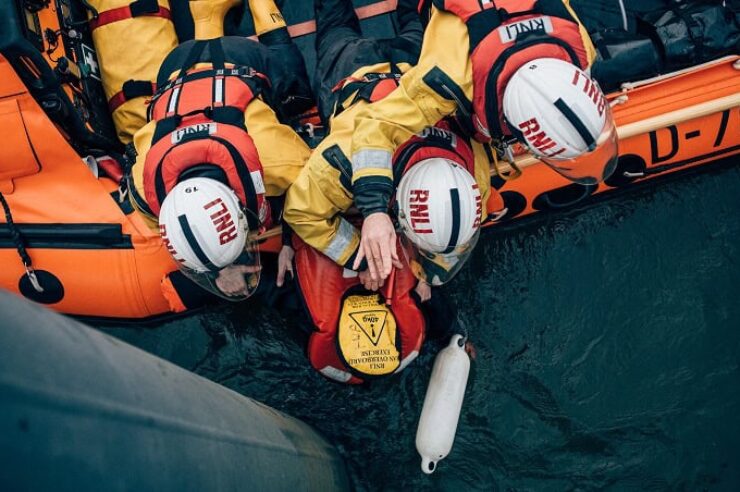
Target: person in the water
{"type": "Point", "coordinates": [367, 329]}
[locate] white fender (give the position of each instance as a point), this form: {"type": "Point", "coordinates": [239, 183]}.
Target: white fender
{"type": "Point", "coordinates": [442, 404]}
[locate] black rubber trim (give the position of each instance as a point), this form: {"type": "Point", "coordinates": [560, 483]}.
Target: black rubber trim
{"type": "Point", "coordinates": [443, 85]}
{"type": "Point", "coordinates": [373, 194]}
{"type": "Point", "coordinates": [336, 159]}
{"type": "Point", "coordinates": [193, 243]}
{"type": "Point", "coordinates": [68, 236]}
{"type": "Point", "coordinates": [455, 234]}
{"type": "Point", "coordinates": [577, 122]}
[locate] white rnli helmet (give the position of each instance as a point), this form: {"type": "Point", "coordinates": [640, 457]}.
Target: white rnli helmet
{"type": "Point", "coordinates": [561, 115]}
{"type": "Point", "coordinates": [204, 227]}
{"type": "Point", "coordinates": [439, 214]}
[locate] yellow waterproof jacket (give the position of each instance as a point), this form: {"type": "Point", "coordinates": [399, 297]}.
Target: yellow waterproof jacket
{"type": "Point", "coordinates": [383, 126]}
{"type": "Point", "coordinates": [131, 49]}
{"type": "Point", "coordinates": [316, 203]}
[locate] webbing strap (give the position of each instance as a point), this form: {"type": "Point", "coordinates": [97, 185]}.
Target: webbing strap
{"type": "Point", "coordinates": [131, 89]}
{"type": "Point", "coordinates": [139, 8]}
{"type": "Point", "coordinates": [363, 87]}
{"type": "Point", "coordinates": [244, 73]}
{"type": "Point", "coordinates": [218, 58]}
{"type": "Point", "coordinates": [192, 57]}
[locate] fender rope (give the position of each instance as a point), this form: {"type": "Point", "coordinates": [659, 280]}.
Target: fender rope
{"type": "Point", "coordinates": [15, 234]}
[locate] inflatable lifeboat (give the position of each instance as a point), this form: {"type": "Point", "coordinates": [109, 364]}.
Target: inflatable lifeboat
{"type": "Point", "coordinates": [70, 240]}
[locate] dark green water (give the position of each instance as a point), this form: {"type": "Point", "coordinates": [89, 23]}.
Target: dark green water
{"type": "Point", "coordinates": [608, 347]}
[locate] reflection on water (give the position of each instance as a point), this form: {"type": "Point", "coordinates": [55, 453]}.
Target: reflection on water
{"type": "Point", "coordinates": [608, 347]}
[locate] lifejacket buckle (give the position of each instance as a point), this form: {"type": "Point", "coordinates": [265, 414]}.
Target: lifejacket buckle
{"type": "Point", "coordinates": [502, 148]}
{"type": "Point", "coordinates": [246, 72]}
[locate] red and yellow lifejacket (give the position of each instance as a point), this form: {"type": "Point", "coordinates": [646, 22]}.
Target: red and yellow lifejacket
{"type": "Point", "coordinates": [200, 130]}
{"type": "Point", "coordinates": [444, 140]}
{"type": "Point", "coordinates": [505, 35]}
{"type": "Point", "coordinates": [353, 323]}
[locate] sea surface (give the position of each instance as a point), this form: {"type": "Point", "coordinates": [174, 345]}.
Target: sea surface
{"type": "Point", "coordinates": [608, 355]}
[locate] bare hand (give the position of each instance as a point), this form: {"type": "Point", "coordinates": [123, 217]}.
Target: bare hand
{"type": "Point", "coordinates": [231, 279]}
{"type": "Point", "coordinates": [285, 264]}
{"type": "Point", "coordinates": [423, 290]}
{"type": "Point", "coordinates": [378, 245]}
{"type": "Point", "coordinates": [368, 282]}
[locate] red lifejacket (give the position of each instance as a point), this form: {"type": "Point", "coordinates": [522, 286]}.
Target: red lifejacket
{"type": "Point", "coordinates": [324, 288]}
{"type": "Point", "coordinates": [200, 131]}
{"type": "Point", "coordinates": [505, 35]}
{"type": "Point", "coordinates": [445, 139]}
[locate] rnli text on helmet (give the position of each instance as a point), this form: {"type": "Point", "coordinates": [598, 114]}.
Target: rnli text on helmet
{"type": "Point", "coordinates": [168, 244]}
{"type": "Point", "coordinates": [419, 213]}
{"type": "Point", "coordinates": [538, 139]}
{"type": "Point", "coordinates": [591, 89]}
{"type": "Point", "coordinates": [222, 221]}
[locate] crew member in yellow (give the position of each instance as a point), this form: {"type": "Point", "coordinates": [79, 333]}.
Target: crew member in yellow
{"type": "Point", "coordinates": [318, 203]}
{"type": "Point", "coordinates": [219, 114]}
{"type": "Point", "coordinates": [506, 68]}
{"type": "Point", "coordinates": [282, 152]}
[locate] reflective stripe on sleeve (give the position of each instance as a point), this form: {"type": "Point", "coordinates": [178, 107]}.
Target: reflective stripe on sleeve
{"type": "Point", "coordinates": [342, 239]}
{"type": "Point", "coordinates": [372, 158]}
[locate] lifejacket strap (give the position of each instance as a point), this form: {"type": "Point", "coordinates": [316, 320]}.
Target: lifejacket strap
{"type": "Point", "coordinates": [216, 50]}
{"type": "Point", "coordinates": [139, 8]}
{"type": "Point", "coordinates": [131, 89]}
{"type": "Point", "coordinates": [192, 57]}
